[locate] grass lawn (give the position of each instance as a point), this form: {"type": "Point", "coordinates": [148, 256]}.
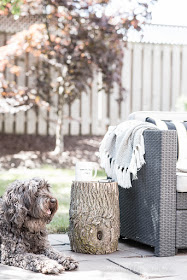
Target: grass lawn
{"type": "Point", "coordinates": [60, 180]}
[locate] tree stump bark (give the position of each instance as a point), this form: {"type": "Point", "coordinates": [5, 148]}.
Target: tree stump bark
{"type": "Point", "coordinates": [94, 217]}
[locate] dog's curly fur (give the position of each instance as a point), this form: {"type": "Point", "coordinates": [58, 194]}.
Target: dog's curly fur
{"type": "Point", "coordinates": [25, 209]}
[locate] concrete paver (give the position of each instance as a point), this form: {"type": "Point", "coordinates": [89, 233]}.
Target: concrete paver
{"type": "Point", "coordinates": [150, 267]}
{"type": "Point", "coordinates": [132, 261]}
{"type": "Point", "coordinates": [131, 246]}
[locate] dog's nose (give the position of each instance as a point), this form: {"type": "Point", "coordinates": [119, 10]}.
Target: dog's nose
{"type": "Point", "coordinates": [53, 200]}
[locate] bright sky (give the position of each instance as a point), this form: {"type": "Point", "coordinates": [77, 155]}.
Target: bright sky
{"type": "Point", "coordinates": [171, 12]}
{"type": "Point", "coordinates": [168, 12]}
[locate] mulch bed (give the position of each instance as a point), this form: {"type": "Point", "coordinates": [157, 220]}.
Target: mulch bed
{"type": "Point", "coordinates": [33, 151]}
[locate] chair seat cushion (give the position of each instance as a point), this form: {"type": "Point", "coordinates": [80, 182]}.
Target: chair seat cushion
{"type": "Point", "coordinates": [181, 182]}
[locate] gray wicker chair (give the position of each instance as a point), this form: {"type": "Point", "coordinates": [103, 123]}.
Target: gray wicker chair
{"type": "Point", "coordinates": [152, 212]}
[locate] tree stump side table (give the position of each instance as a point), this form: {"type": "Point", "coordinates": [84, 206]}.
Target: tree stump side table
{"type": "Point", "coordinates": [94, 217]}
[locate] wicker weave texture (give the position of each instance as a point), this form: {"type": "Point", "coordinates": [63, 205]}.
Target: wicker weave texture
{"type": "Point", "coordinates": [181, 229]}
{"type": "Point", "coordinates": [148, 209]}
{"type": "Point", "coordinates": [182, 201]}
{"type": "Point", "coordinates": [140, 204]}
{"type": "Point", "coordinates": [167, 217]}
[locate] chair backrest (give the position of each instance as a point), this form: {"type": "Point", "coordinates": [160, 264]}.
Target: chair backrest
{"type": "Point", "coordinates": [162, 115]}
{"type": "Point", "coordinates": [169, 121]}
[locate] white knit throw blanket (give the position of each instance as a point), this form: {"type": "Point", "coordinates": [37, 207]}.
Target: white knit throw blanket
{"type": "Point", "coordinates": [122, 151]}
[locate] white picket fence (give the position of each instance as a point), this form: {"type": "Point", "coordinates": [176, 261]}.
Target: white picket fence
{"type": "Point", "coordinates": [153, 75]}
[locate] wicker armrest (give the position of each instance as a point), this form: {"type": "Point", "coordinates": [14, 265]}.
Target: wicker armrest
{"type": "Point", "coordinates": [148, 209]}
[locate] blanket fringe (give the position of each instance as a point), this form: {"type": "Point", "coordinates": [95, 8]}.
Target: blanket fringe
{"type": "Point", "coordinates": [122, 151]}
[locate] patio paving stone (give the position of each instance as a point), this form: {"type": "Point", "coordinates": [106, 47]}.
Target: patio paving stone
{"type": "Point", "coordinates": [132, 261]}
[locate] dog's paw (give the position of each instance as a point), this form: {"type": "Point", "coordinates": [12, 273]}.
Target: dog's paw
{"type": "Point", "coordinates": [69, 263]}
{"type": "Point", "coordinates": [52, 267]}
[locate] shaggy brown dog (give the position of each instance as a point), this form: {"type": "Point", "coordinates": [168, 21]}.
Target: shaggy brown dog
{"type": "Point", "coordinates": [25, 209]}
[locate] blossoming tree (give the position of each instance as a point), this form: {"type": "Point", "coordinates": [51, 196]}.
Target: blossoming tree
{"type": "Point", "coordinates": [74, 39]}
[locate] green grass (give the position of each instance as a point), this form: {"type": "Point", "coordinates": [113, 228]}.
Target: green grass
{"type": "Point", "coordinates": [60, 180]}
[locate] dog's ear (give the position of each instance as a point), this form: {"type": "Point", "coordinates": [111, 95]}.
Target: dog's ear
{"type": "Point", "coordinates": [14, 207]}
{"type": "Point", "coordinates": [29, 192]}
{"type": "Point", "coordinates": [41, 183]}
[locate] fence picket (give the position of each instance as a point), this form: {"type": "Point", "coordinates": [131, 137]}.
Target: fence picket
{"type": "Point", "coordinates": [126, 82]}
{"type": "Point", "coordinates": [153, 76]}
{"type": "Point", "coordinates": [102, 116]}
{"type": "Point", "coordinates": [53, 116]}
{"type": "Point", "coordinates": [20, 121]}
{"type": "Point", "coordinates": [175, 83]}
{"type": "Point", "coordinates": [114, 106]}
{"type": "Point", "coordinates": [147, 78]}
{"type": "Point", "coordinates": [8, 123]}
{"type": "Point", "coordinates": [94, 106]}
{"type": "Point", "coordinates": [1, 122]}
{"type": "Point", "coordinates": [20, 116]}
{"type": "Point", "coordinates": [75, 115]}
{"type": "Point", "coordinates": [85, 116]}
{"type": "Point", "coordinates": [42, 121]}
{"type": "Point", "coordinates": [184, 71]}
{"type": "Point", "coordinates": [166, 78]}
{"type": "Point", "coordinates": [136, 81]}
{"type": "Point", "coordinates": [9, 118]}
{"type": "Point", "coordinates": [156, 77]}
{"type": "Point", "coordinates": [2, 43]}
{"type": "Point", "coordinates": [66, 120]}
{"type": "Point", "coordinates": [31, 121]}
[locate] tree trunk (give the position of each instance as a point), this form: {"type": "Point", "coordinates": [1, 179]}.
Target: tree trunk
{"type": "Point", "coordinates": [94, 217]}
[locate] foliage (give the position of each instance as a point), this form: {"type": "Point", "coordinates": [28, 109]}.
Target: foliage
{"type": "Point", "coordinates": [10, 6]}
{"type": "Point", "coordinates": [76, 39]}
